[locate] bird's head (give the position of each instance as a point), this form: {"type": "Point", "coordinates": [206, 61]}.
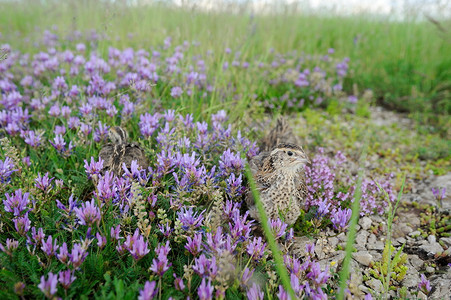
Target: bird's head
{"type": "Point", "coordinates": [289, 157]}
{"type": "Point", "coordinates": [117, 135]}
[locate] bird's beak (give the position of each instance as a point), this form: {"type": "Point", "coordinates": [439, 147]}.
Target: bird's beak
{"type": "Point", "coordinates": [303, 160]}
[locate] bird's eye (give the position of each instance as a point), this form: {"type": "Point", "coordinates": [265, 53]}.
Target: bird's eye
{"type": "Point", "coordinates": [290, 153]}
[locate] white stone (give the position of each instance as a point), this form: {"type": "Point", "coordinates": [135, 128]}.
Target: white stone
{"type": "Point", "coordinates": [363, 258]}
{"type": "Point", "coordinates": [365, 222]}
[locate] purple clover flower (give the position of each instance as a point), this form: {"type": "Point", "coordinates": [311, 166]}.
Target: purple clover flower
{"type": "Point", "coordinates": [340, 218]}
{"type": "Point", "coordinates": [93, 168]}
{"type": "Point", "coordinates": [176, 92]}
{"type": "Point", "coordinates": [66, 278]}
{"type": "Point", "coordinates": [178, 283]}
{"type": "Point", "coordinates": [88, 214]}
{"type": "Point", "coordinates": [32, 139]}
{"type": "Point", "coordinates": [205, 290]}
{"type": "Point", "coordinates": [6, 169]}
{"type": "Point", "coordinates": [22, 224]}
{"type": "Point", "coordinates": [424, 285]}
{"type": "Point", "coordinates": [44, 182]}
{"type": "Point", "coordinates": [149, 291]}
{"type": "Point", "coordinates": [101, 240]}
{"type": "Point", "coordinates": [63, 255]}
{"type": "Point", "coordinates": [16, 203]}
{"type": "Point", "coordinates": [255, 292]}
{"type": "Point", "coordinates": [136, 245]}
{"type": "Point", "coordinates": [278, 227]}
{"type": "Point", "coordinates": [205, 267]}
{"type": "Point", "coordinates": [160, 264]}
{"type": "Point", "coordinates": [247, 275]}
{"type": "Point", "coordinates": [77, 255]}
{"type": "Point", "coordinates": [50, 247]}
{"type": "Point", "coordinates": [190, 219]}
{"type": "Point", "coordinates": [256, 248]}
{"type": "Point", "coordinates": [49, 286]}
{"type": "Point", "coordinates": [194, 245]}
{"type": "Point", "coordinates": [11, 246]}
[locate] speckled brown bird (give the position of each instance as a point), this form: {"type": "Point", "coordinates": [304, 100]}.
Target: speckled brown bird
{"type": "Point", "coordinates": [120, 151]}
{"type": "Point", "coordinates": [279, 175]}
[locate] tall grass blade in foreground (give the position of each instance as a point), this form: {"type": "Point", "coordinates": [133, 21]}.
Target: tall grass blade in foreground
{"type": "Point", "coordinates": [388, 243]}
{"type": "Point", "coordinates": [344, 273]}
{"type": "Point", "coordinates": [280, 266]}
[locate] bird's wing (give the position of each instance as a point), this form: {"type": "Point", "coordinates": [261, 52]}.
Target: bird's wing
{"type": "Point", "coordinates": [134, 152]}
{"type": "Point", "coordinates": [256, 163]}
{"type": "Point", "coordinates": [106, 154]}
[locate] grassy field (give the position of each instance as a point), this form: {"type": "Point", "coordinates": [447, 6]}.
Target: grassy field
{"type": "Point", "coordinates": [406, 64]}
{"type": "Point", "coordinates": [195, 91]}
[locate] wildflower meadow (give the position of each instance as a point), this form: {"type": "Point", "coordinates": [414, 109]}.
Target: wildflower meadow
{"type": "Point", "coordinates": [197, 90]}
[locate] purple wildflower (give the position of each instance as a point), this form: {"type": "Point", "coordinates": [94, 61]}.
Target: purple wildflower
{"type": "Point", "coordinates": [190, 220]}
{"type": "Point", "coordinates": [247, 275]}
{"type": "Point", "coordinates": [205, 290]}
{"type": "Point", "coordinates": [424, 285]}
{"type": "Point", "coordinates": [16, 203]}
{"type": "Point", "coordinates": [77, 255]}
{"type": "Point", "coordinates": [88, 214]}
{"type": "Point", "coordinates": [93, 168]}
{"type": "Point", "coordinates": [176, 92]}
{"type": "Point", "coordinates": [205, 267]}
{"type": "Point", "coordinates": [115, 231]}
{"type": "Point", "coordinates": [22, 224]}
{"type": "Point", "coordinates": [340, 218]}
{"type": "Point", "coordinates": [66, 278]}
{"type": "Point", "coordinates": [439, 195]}
{"type": "Point", "coordinates": [6, 169]}
{"type": "Point", "coordinates": [278, 227]}
{"type": "Point", "coordinates": [194, 245]}
{"type": "Point", "coordinates": [149, 291]}
{"type": "Point", "coordinates": [310, 249]}
{"type": "Point", "coordinates": [255, 292]}
{"type": "Point", "coordinates": [44, 182]}
{"type": "Point", "coordinates": [101, 240]}
{"type": "Point", "coordinates": [63, 255]}
{"type": "Point", "coordinates": [178, 283]}
{"type": "Point", "coordinates": [139, 248]}
{"type": "Point", "coordinates": [160, 264]}
{"type": "Point", "coordinates": [32, 139]}
{"type": "Point", "coordinates": [50, 247]}
{"type": "Point", "coordinates": [11, 245]}
{"type": "Point", "coordinates": [49, 286]}
{"type": "Point", "coordinates": [230, 162]}
{"type": "Point", "coordinates": [282, 294]}
{"type": "Point", "coordinates": [235, 186]}
{"type": "Point", "coordinates": [39, 236]}
{"type": "Point", "coordinates": [105, 186]}
{"type": "Point", "coordinates": [165, 229]}
{"type": "Point", "coordinates": [256, 248]}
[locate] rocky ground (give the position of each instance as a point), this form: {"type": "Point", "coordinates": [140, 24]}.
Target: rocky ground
{"type": "Point", "coordinates": [423, 249]}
